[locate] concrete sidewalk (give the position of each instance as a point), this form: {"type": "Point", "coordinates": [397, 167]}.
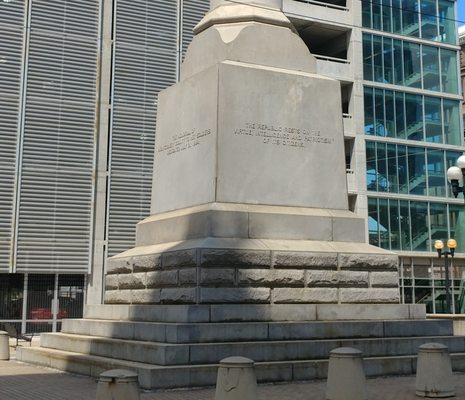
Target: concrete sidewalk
{"type": "Point", "coordinates": [25, 382]}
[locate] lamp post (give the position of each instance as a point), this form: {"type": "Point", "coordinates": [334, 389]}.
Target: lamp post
{"type": "Point", "coordinates": [456, 177]}
{"type": "Point", "coordinates": [451, 246]}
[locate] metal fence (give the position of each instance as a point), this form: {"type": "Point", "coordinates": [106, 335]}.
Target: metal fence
{"type": "Point", "coordinates": [36, 303]}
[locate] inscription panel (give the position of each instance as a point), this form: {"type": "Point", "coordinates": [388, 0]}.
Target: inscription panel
{"type": "Point", "coordinates": [184, 141]}
{"type": "Point", "coordinates": [280, 139]}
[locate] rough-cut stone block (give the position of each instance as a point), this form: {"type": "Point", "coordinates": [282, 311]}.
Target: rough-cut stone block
{"type": "Point", "coordinates": [180, 258]}
{"type": "Point", "coordinates": [146, 263]}
{"type": "Point", "coordinates": [234, 295]}
{"type": "Point", "coordinates": [384, 279]}
{"type": "Point", "coordinates": [303, 259]}
{"type": "Point", "coordinates": [178, 295]}
{"type": "Point", "coordinates": [187, 276]}
{"type": "Point", "coordinates": [352, 295]}
{"type": "Point", "coordinates": [145, 296]}
{"type": "Point", "coordinates": [119, 265]}
{"type": "Point", "coordinates": [271, 277]}
{"type": "Point", "coordinates": [336, 278]}
{"type": "Point", "coordinates": [232, 258]}
{"type": "Point", "coordinates": [217, 276]}
{"type": "Point", "coordinates": [368, 261]}
{"type": "Point", "coordinates": [161, 278]}
{"type": "Point", "coordinates": [131, 281]}
{"type": "Point", "coordinates": [305, 295]}
{"type": "Point", "coordinates": [111, 282]}
{"type": "Point", "coordinates": [118, 296]}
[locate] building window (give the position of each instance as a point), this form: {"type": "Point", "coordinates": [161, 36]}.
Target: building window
{"type": "Point", "coordinates": [414, 225]}
{"type": "Point", "coordinates": [403, 17]}
{"type": "Point", "coordinates": [409, 64]}
{"type": "Point", "coordinates": [411, 116]}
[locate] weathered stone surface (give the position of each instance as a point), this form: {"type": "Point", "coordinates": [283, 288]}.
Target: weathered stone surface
{"type": "Point", "coordinates": [368, 261]}
{"type": "Point", "coordinates": [302, 259]}
{"type": "Point", "coordinates": [217, 276]}
{"type": "Point", "coordinates": [231, 257]}
{"type": "Point", "coordinates": [145, 296]}
{"type": "Point", "coordinates": [305, 295]}
{"type": "Point", "coordinates": [336, 278]}
{"type": "Point", "coordinates": [146, 263]}
{"type": "Point", "coordinates": [120, 265]}
{"type": "Point", "coordinates": [178, 295]}
{"type": "Point", "coordinates": [271, 277]}
{"type": "Point", "coordinates": [111, 282]}
{"type": "Point", "coordinates": [187, 276]}
{"type": "Point", "coordinates": [352, 295]}
{"type": "Point", "coordinates": [118, 296]}
{"type": "Point", "coordinates": [384, 279]}
{"type": "Point", "coordinates": [131, 281]}
{"type": "Point", "coordinates": [161, 278]}
{"type": "Point", "coordinates": [234, 295]}
{"type": "Point", "coordinates": [180, 258]}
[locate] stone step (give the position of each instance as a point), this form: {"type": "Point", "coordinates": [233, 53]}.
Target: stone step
{"type": "Point", "coordinates": [249, 331]}
{"type": "Point", "coordinates": [158, 377]}
{"type": "Point", "coordinates": [255, 312]}
{"type": "Point", "coordinates": [209, 353]}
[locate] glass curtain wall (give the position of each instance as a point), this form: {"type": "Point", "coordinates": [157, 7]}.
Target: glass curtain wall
{"type": "Point", "coordinates": [434, 20]}
{"type": "Point", "coordinates": [425, 67]}
{"type": "Point", "coordinates": [396, 168]}
{"type": "Point", "coordinates": [410, 116]}
{"type": "Point", "coordinates": [400, 224]}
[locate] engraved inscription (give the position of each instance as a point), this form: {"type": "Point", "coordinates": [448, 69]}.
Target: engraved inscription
{"type": "Point", "coordinates": [282, 135]}
{"type": "Point", "coordinates": [184, 141]}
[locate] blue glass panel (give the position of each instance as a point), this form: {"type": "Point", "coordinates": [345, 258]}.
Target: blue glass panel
{"type": "Point", "coordinates": [394, 224]}
{"type": "Point", "coordinates": [367, 57]}
{"type": "Point", "coordinates": [451, 110]}
{"type": "Point", "coordinates": [400, 115]}
{"type": "Point", "coordinates": [457, 225]}
{"type": "Point", "coordinates": [410, 18]}
{"type": "Point", "coordinates": [436, 173]}
{"type": "Point", "coordinates": [371, 166]}
{"type": "Point", "coordinates": [414, 117]}
{"type": "Point", "coordinates": [431, 68]}
{"type": "Point", "coordinates": [402, 165]}
{"type": "Point", "coordinates": [417, 170]}
{"type": "Point", "coordinates": [389, 113]}
{"type": "Point", "coordinates": [381, 167]}
{"type": "Point", "coordinates": [447, 29]}
{"type": "Point", "coordinates": [398, 63]}
{"type": "Point", "coordinates": [393, 183]}
{"type": "Point", "coordinates": [433, 119]}
{"type": "Point", "coordinates": [419, 222]}
{"type": "Point", "coordinates": [405, 236]}
{"type": "Point", "coordinates": [429, 22]}
{"type": "Point", "coordinates": [378, 59]}
{"type": "Point", "coordinates": [383, 214]}
{"type": "Point", "coordinates": [438, 218]}
{"type": "Point", "coordinates": [373, 222]}
{"type": "Point", "coordinates": [388, 53]}
{"type": "Point", "coordinates": [449, 71]}
{"type": "Point", "coordinates": [369, 111]}
{"type": "Point", "coordinates": [379, 113]}
{"type": "Point", "coordinates": [412, 64]}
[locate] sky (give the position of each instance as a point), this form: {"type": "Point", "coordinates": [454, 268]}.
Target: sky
{"type": "Point", "coordinates": [461, 8]}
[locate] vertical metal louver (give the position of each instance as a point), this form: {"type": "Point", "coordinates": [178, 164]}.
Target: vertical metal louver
{"type": "Point", "coordinates": [192, 12]}
{"type": "Point", "coordinates": [145, 61]}
{"type": "Point", "coordinates": [12, 33]}
{"type": "Point", "coordinates": [56, 186]}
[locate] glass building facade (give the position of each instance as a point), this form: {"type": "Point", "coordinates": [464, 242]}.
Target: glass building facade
{"type": "Point", "coordinates": [414, 133]}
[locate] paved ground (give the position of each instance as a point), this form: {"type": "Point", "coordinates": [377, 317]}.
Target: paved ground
{"type": "Point", "coordinates": [25, 382]}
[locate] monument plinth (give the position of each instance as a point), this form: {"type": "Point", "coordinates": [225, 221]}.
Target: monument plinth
{"type": "Point", "coordinates": [249, 201]}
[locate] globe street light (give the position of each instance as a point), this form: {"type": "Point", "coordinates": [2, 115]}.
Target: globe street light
{"type": "Point", "coordinates": [456, 177]}
{"type": "Point", "coordinates": [450, 251]}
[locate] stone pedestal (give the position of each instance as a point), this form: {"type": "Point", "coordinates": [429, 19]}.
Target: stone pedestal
{"type": "Point", "coordinates": [249, 201]}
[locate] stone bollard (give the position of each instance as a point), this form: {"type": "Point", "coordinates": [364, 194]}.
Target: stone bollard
{"type": "Point", "coordinates": [434, 371]}
{"type": "Point", "coordinates": [4, 346]}
{"type": "Point", "coordinates": [346, 378]}
{"type": "Point", "coordinates": [236, 379]}
{"type": "Point", "coordinates": [118, 384]}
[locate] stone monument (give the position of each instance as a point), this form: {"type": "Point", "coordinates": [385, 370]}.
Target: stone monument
{"type": "Point", "coordinates": [249, 200]}
{"type": "Point", "coordinates": [251, 249]}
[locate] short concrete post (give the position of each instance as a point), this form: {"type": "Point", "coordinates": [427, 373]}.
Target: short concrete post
{"type": "Point", "coordinates": [118, 384]}
{"type": "Point", "coordinates": [434, 371]}
{"type": "Point", "coordinates": [236, 379]}
{"type": "Point", "coordinates": [346, 378]}
{"type": "Point", "coordinates": [4, 346]}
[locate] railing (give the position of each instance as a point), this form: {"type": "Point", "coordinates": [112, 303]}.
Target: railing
{"type": "Point", "coordinates": [334, 59]}
{"type": "Point", "coordinates": [323, 4]}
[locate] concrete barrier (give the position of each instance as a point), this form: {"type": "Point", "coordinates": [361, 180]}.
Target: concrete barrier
{"type": "Point", "coordinates": [236, 379]}
{"type": "Point", "coordinates": [346, 378]}
{"type": "Point", "coordinates": [4, 346]}
{"type": "Point", "coordinates": [434, 372]}
{"type": "Point", "coordinates": [118, 384]}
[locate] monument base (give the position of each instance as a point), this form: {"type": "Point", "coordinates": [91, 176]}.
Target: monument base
{"type": "Point", "coordinates": [180, 346]}
{"type": "Point", "coordinates": [233, 253]}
